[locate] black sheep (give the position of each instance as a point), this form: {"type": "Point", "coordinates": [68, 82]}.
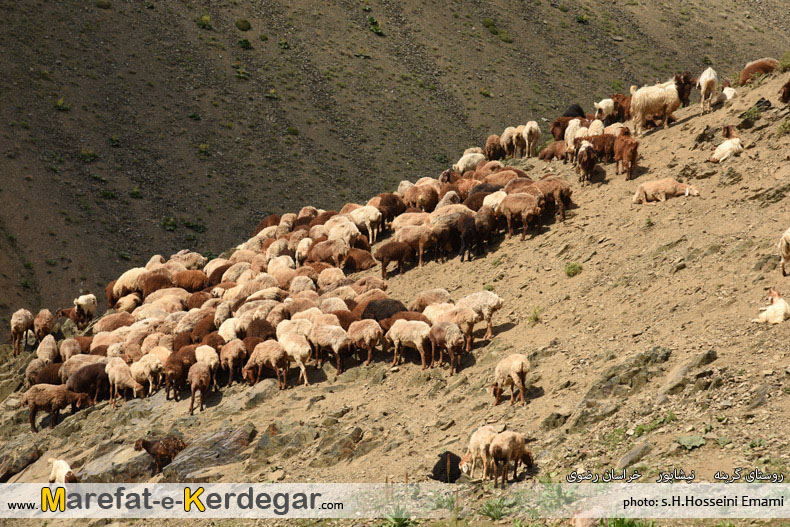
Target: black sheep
{"type": "Point", "coordinates": [469, 236]}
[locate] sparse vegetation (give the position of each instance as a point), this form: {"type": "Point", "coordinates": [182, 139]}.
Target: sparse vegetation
{"type": "Point", "coordinates": [292, 130]}
{"type": "Point", "coordinates": [784, 62]}
{"type": "Point", "coordinates": [752, 113]}
{"type": "Point", "coordinates": [113, 141]}
{"type": "Point", "coordinates": [648, 222]}
{"type": "Point", "coordinates": [87, 155]}
{"type": "Point", "coordinates": [62, 106]}
{"type": "Point", "coordinates": [495, 508]}
{"type": "Point", "coordinates": [204, 150]}
{"type": "Point", "coordinates": [243, 24]}
{"type": "Point", "coordinates": [168, 224]}
{"type": "Point", "coordinates": [136, 193]}
{"type": "Point", "coordinates": [784, 127]}
{"type": "Point", "coordinates": [204, 22]}
{"type": "Point", "coordinates": [373, 25]}
{"type": "Point", "coordinates": [399, 517]}
{"type": "Point", "coordinates": [485, 93]}
{"type": "Point", "coordinates": [572, 269]}
{"type": "Point", "coordinates": [534, 317]}
{"type": "Point", "coordinates": [656, 423]}
{"type": "Point", "coordinates": [245, 44]}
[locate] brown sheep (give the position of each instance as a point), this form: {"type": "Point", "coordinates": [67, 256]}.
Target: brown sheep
{"type": "Point", "coordinates": [586, 161]}
{"type": "Point", "coordinates": [191, 281]}
{"type": "Point", "coordinates": [393, 252]}
{"type": "Point", "coordinates": [501, 178]}
{"type": "Point", "coordinates": [784, 93]}
{"type": "Point", "coordinates": [322, 218]}
{"type": "Point", "coordinates": [202, 328]}
{"type": "Point", "coordinates": [509, 446]}
{"type": "Point", "coordinates": [387, 323]}
{"type": "Point", "coordinates": [604, 146]}
{"type": "Point", "coordinates": [493, 149]}
{"type": "Point", "coordinates": [485, 222]}
{"type": "Point", "coordinates": [423, 197]}
{"type": "Point", "coordinates": [270, 354]}
{"type": "Point", "coordinates": [475, 201]}
{"type": "Point", "coordinates": [49, 374]}
{"type": "Point", "coordinates": [329, 251]}
{"type": "Point", "coordinates": [446, 336]}
{"type": "Point", "coordinates": [558, 127]}
{"type": "Point", "coordinates": [113, 321]}
{"type": "Point", "coordinates": [196, 300]}
{"type": "Point", "coordinates": [109, 293]}
{"type": "Point", "coordinates": [199, 379]}
{"type": "Point", "coordinates": [622, 107]}
{"type": "Point", "coordinates": [155, 282]}
{"type": "Point", "coordinates": [164, 450]}
{"type": "Point", "coordinates": [757, 67]}
{"type": "Point", "coordinates": [52, 398]}
{"type": "Point", "coordinates": [43, 324]}
{"type": "Point", "coordinates": [176, 369]}
{"type": "Point", "coordinates": [555, 150]}
{"type": "Point", "coordinates": [625, 155]}
{"type": "Point", "coordinates": [390, 205]}
{"type": "Point", "coordinates": [524, 206]}
{"type": "Point", "coordinates": [555, 190]}
{"type": "Point", "coordinates": [268, 221]}
{"type": "Point", "coordinates": [232, 357]}
{"type": "Point", "coordinates": [359, 260]}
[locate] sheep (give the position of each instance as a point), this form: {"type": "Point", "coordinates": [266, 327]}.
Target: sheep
{"type": "Point", "coordinates": [784, 250]}
{"type": "Point", "coordinates": [625, 155]}
{"type": "Point", "coordinates": [479, 448]}
{"type": "Point", "coordinates": [616, 129]}
{"type": "Point", "coordinates": [52, 398]}
{"type": "Point", "coordinates": [128, 303]}
{"type": "Point", "coordinates": [232, 357]}
{"type": "Point", "coordinates": [298, 350]}
{"type": "Point", "coordinates": [423, 197]}
{"type": "Point", "coordinates": [493, 149]}
{"type": "Point", "coordinates": [524, 206]}
{"type": "Point", "coordinates": [730, 147]}
{"type": "Point", "coordinates": [574, 110]}
{"type": "Point", "coordinates": [393, 251]}
{"type": "Point", "coordinates": [74, 364]}
{"type": "Point", "coordinates": [413, 333]}
{"type": "Point", "coordinates": [43, 324]}
{"type": "Point", "coordinates": [163, 450]}
{"type": "Point", "coordinates": [777, 310]}
{"type": "Point", "coordinates": [596, 128]}
{"type": "Point", "coordinates": [604, 109]}
{"type": "Point", "coordinates": [661, 189]}
{"type": "Point", "coordinates": [120, 379]}
{"type": "Point", "coordinates": [419, 238]}
{"type": "Point", "coordinates": [113, 321]}
{"type": "Point", "coordinates": [302, 249]}
{"type": "Point", "coordinates": [48, 350]}
{"type": "Point", "coordinates": [555, 150]}
{"type": "Point", "coordinates": [330, 251]}
{"type": "Point", "coordinates": [210, 357]}
{"type": "Point", "coordinates": [467, 230]}
{"type": "Point", "coordinates": [531, 137]}
{"type": "Point", "coordinates": [428, 297]}
{"type": "Point", "coordinates": [622, 107]}
{"type": "Point", "coordinates": [660, 99]}
{"type": "Point", "coordinates": [485, 304]}
{"type": "Point", "coordinates": [586, 161]}
{"type": "Point", "coordinates": [49, 374]}
{"type": "Point", "coordinates": [21, 323]}
{"type": "Point", "coordinates": [485, 223]}
{"type": "Point", "coordinates": [32, 370]}
{"type": "Point", "coordinates": [199, 379]}
{"type": "Point", "coordinates": [333, 337]}
{"type": "Point", "coordinates": [467, 162]}
{"type": "Point", "coordinates": [446, 336]}
{"type": "Point", "coordinates": [370, 218]}
{"type": "Point", "coordinates": [365, 334]}
{"type": "Point", "coordinates": [464, 317]}
{"type": "Point", "coordinates": [762, 66]}
{"type": "Point", "coordinates": [270, 354]}
{"type": "Point", "coordinates": [176, 368]}
{"type": "Point", "coordinates": [61, 472]}
{"type": "Point", "coordinates": [570, 132]}
{"type": "Point", "coordinates": [403, 187]}
{"type": "Point", "coordinates": [784, 93]}
{"type": "Point", "coordinates": [706, 83]}
{"type": "Point", "coordinates": [510, 371]}
{"type": "Point", "coordinates": [148, 369]}
{"type": "Point", "coordinates": [129, 282]}
{"type": "Point", "coordinates": [90, 379]}
{"type": "Point", "coordinates": [505, 447]}
{"type": "Point", "coordinates": [507, 141]}
{"type": "Point", "coordinates": [555, 190]}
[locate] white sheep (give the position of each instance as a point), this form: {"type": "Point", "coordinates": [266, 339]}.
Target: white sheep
{"type": "Point", "coordinates": [61, 472]}
{"type": "Point", "coordinates": [485, 304]}
{"type": "Point", "coordinates": [473, 150]}
{"type": "Point", "coordinates": [48, 350]}
{"type": "Point", "coordinates": [494, 200]}
{"type": "Point", "coordinates": [509, 446]}
{"type": "Point", "coordinates": [370, 218]}
{"type": "Point", "coordinates": [510, 371]}
{"type": "Point", "coordinates": [346, 231]}
{"type": "Point", "coordinates": [298, 350]}
{"type": "Point", "coordinates": [413, 333]}
{"type": "Point", "coordinates": [300, 284]}
{"type": "Point", "coordinates": [21, 323]}
{"type": "Point", "coordinates": [86, 306]}
{"type": "Point", "coordinates": [478, 449]}
{"type": "Point", "coordinates": [301, 250]}
{"type": "Point", "coordinates": [228, 330]}
{"type": "Point", "coordinates": [660, 99]}
{"type": "Point", "coordinates": [728, 148]}
{"type": "Point", "coordinates": [604, 109]}
{"type": "Point", "coordinates": [210, 357]}
{"type": "Point", "coordinates": [364, 335]}
{"type": "Point", "coordinates": [129, 282]}
{"type": "Point", "coordinates": [776, 312]}
{"type": "Point", "coordinates": [464, 317]}
{"type": "Point", "coordinates": [403, 187]}
{"type": "Point", "coordinates": [69, 348]}
{"type": "Point", "coordinates": [531, 137]}
{"type": "Point", "coordinates": [467, 162]}
{"type": "Point", "coordinates": [148, 369]}
{"type": "Point", "coordinates": [728, 93]}
{"type": "Point", "coordinates": [570, 132]}
{"type": "Point", "coordinates": [784, 250]}
{"type": "Point", "coordinates": [299, 326]}
{"type": "Point", "coordinates": [706, 83]}
{"type": "Point", "coordinates": [332, 337]}
{"type": "Point", "coordinates": [330, 278]}
{"type": "Point", "coordinates": [506, 140]}
{"type": "Point", "coordinates": [428, 297]}
{"type": "Point", "coordinates": [596, 128]}
{"type": "Point", "coordinates": [120, 379]}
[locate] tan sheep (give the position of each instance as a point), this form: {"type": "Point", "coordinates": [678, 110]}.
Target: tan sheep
{"type": "Point", "coordinates": [510, 371]}
{"type": "Point", "coordinates": [365, 335]}
{"type": "Point", "coordinates": [509, 446]}
{"type": "Point", "coordinates": [270, 354]}
{"type": "Point", "coordinates": [662, 189]}
{"type": "Point", "coordinates": [478, 449]}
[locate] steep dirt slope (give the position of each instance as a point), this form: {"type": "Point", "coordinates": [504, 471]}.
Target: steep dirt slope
{"type": "Point", "coordinates": [650, 343]}
{"type": "Point", "coordinates": [170, 135]}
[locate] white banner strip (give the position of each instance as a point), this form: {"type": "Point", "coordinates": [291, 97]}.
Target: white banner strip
{"type": "Point", "coordinates": [372, 500]}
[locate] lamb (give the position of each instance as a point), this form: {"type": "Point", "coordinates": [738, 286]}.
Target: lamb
{"type": "Point", "coordinates": [393, 252]}
{"type": "Point", "coordinates": [61, 472]}
{"type": "Point", "coordinates": [467, 230]}
{"type": "Point", "coordinates": [302, 250]}
{"type": "Point", "coordinates": [625, 155]}
{"type": "Point", "coordinates": [555, 150]}
{"type": "Point", "coordinates": [507, 142]}
{"type": "Point", "coordinates": [510, 371]}
{"type": "Point", "coordinates": [333, 337]}
{"type": "Point", "coordinates": [757, 67]}
{"type": "Point", "coordinates": [464, 317]}
{"type": "Point", "coordinates": [433, 296]}
{"type": "Point", "coordinates": [730, 147]}
{"type": "Point", "coordinates": [232, 357]}
{"type": "Point", "coordinates": [493, 149]}
{"type": "Point", "coordinates": [148, 369]}
{"type": "Point", "coordinates": [120, 379]}
{"type": "Point", "coordinates": [270, 354]}
{"type": "Point", "coordinates": [706, 83]}
{"type": "Point", "coordinates": [494, 200]}
{"type": "Point", "coordinates": [32, 370]}
{"type": "Point", "coordinates": [450, 198]}
{"type": "Point", "coordinates": [485, 304]}
{"type": "Point", "coordinates": [52, 398]}
{"type": "Point", "coordinates": [21, 323]}
{"type": "Point", "coordinates": [479, 448]}
{"type": "Point", "coordinates": [661, 99]}
{"type": "Point", "coordinates": [48, 350]}
{"type": "Point", "coordinates": [467, 162]}
{"type": "Point", "coordinates": [586, 161]}
{"type": "Point", "coordinates": [365, 334]}
{"type": "Point", "coordinates": [662, 189]}
{"type": "Point", "coordinates": [43, 324]}
{"type": "Point", "coordinates": [622, 107]}
{"type": "Point", "coordinates": [604, 109]}
{"type": "Point", "coordinates": [128, 303]}
{"type": "Point", "coordinates": [415, 334]}
{"type": "Point", "coordinates": [776, 312]}
{"type": "Point", "coordinates": [199, 379]}
{"type": "Point", "coordinates": [163, 450]}
{"type": "Point", "coordinates": [370, 218]}
{"type": "Point", "coordinates": [509, 446]}
{"type": "Point", "coordinates": [524, 206]}
{"type": "Point", "coordinates": [531, 137]}
{"type": "Point", "coordinates": [90, 379]}
{"type": "Point", "coordinates": [74, 364]}
{"type": "Point", "coordinates": [446, 336]}
{"type": "Point", "coordinates": [298, 350]}
{"type": "Point", "coordinates": [485, 223]}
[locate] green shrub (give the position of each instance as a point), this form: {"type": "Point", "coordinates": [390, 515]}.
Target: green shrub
{"type": "Point", "coordinates": [169, 224]}
{"type": "Point", "coordinates": [204, 150]}
{"type": "Point", "coordinates": [113, 141]}
{"type": "Point", "coordinates": [62, 106]}
{"type": "Point", "coordinates": [488, 22]}
{"type": "Point", "coordinates": [373, 25]}
{"type": "Point", "coordinates": [243, 24]}
{"type": "Point", "coordinates": [582, 19]}
{"type": "Point", "coordinates": [505, 37]}
{"type": "Point", "coordinates": [572, 269]}
{"type": "Point", "coordinates": [495, 508]}
{"type": "Point", "coordinates": [283, 44]}
{"type": "Point", "coordinates": [292, 130]}
{"type": "Point", "coordinates": [784, 127]}
{"type": "Point", "coordinates": [245, 44]}
{"type": "Point", "coordinates": [784, 62]}
{"type": "Point", "coordinates": [204, 22]}
{"type": "Point", "coordinates": [752, 113]}
{"type": "Point", "coordinates": [87, 155]}
{"type": "Point", "coordinates": [136, 193]}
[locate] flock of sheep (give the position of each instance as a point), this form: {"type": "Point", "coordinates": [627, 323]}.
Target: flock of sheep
{"type": "Point", "coordinates": [283, 297]}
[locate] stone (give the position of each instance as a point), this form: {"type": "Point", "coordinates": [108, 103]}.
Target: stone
{"type": "Point", "coordinates": [115, 462]}
{"type": "Point", "coordinates": [263, 391]}
{"type": "Point", "coordinates": [222, 447]}
{"type": "Point", "coordinates": [676, 380]}
{"type": "Point", "coordinates": [704, 358]}
{"type": "Point", "coordinates": [633, 455]}
{"type": "Point", "coordinates": [690, 442]}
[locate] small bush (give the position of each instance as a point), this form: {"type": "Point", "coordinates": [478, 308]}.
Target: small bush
{"type": "Point", "coordinates": [572, 269]}
{"type": "Point", "coordinates": [264, 37]}
{"type": "Point", "coordinates": [564, 8]}
{"type": "Point", "coordinates": [169, 224]}
{"type": "Point", "coordinates": [62, 106]}
{"type": "Point", "coordinates": [194, 116]}
{"type": "Point", "coordinates": [784, 62]}
{"type": "Point", "coordinates": [292, 130]}
{"type": "Point", "coordinates": [582, 19]}
{"type": "Point", "coordinates": [87, 155]}
{"type": "Point", "coordinates": [283, 44]}
{"type": "Point", "coordinates": [272, 94]}
{"type": "Point", "coordinates": [485, 93]}
{"type": "Point", "coordinates": [752, 113]}
{"type": "Point", "coordinates": [136, 193]}
{"type": "Point", "coordinates": [243, 24]}
{"type": "Point", "coordinates": [204, 22]}
{"type": "Point", "coordinates": [113, 141]}
{"type": "Point", "coordinates": [784, 127]}
{"type": "Point", "coordinates": [196, 226]}
{"type": "Point", "coordinates": [505, 37]}
{"type": "Point", "coordinates": [534, 317]}
{"type": "Point", "coordinates": [109, 194]}
{"type": "Point", "coordinates": [373, 25]}
{"type": "Point", "coordinates": [648, 222]}
{"type": "Point", "coordinates": [204, 150]}
{"type": "Point", "coordinates": [489, 22]}
{"type": "Point", "coordinates": [245, 44]}
{"type": "Point", "coordinates": [495, 508]}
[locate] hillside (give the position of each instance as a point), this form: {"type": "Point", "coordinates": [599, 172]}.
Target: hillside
{"type": "Point", "coordinates": [649, 344]}
{"type": "Point", "coordinates": [128, 130]}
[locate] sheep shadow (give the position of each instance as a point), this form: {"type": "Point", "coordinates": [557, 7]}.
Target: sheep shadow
{"type": "Point", "coordinates": [598, 175]}
{"type": "Point", "coordinates": [639, 171]}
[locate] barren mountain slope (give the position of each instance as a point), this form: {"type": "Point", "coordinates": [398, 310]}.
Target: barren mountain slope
{"type": "Point", "coordinates": [131, 130]}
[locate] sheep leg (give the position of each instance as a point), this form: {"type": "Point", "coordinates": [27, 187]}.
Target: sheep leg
{"type": "Point", "coordinates": [469, 341]}
{"type": "Point", "coordinates": [524, 228]}
{"type": "Point", "coordinates": [370, 354]}
{"type": "Point", "coordinates": [258, 374]}
{"type": "Point", "coordinates": [521, 388]}
{"type": "Point", "coordinates": [421, 248]}
{"type": "Point", "coordinates": [451, 353]}
{"type": "Point", "coordinates": [384, 263]}
{"type": "Point", "coordinates": [303, 374]}
{"type": "Point", "coordinates": [33, 411]}
{"type": "Point", "coordinates": [53, 418]}
{"type": "Point", "coordinates": [509, 226]}
{"type": "Point", "coordinates": [192, 403]}
{"type": "Point", "coordinates": [339, 361]}
{"type": "Point", "coordinates": [784, 273]}
{"type": "Point", "coordinates": [489, 330]}
{"type": "Point", "coordinates": [395, 357]}
{"type": "Point", "coordinates": [421, 349]}
{"type": "Point", "coordinates": [285, 377]}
